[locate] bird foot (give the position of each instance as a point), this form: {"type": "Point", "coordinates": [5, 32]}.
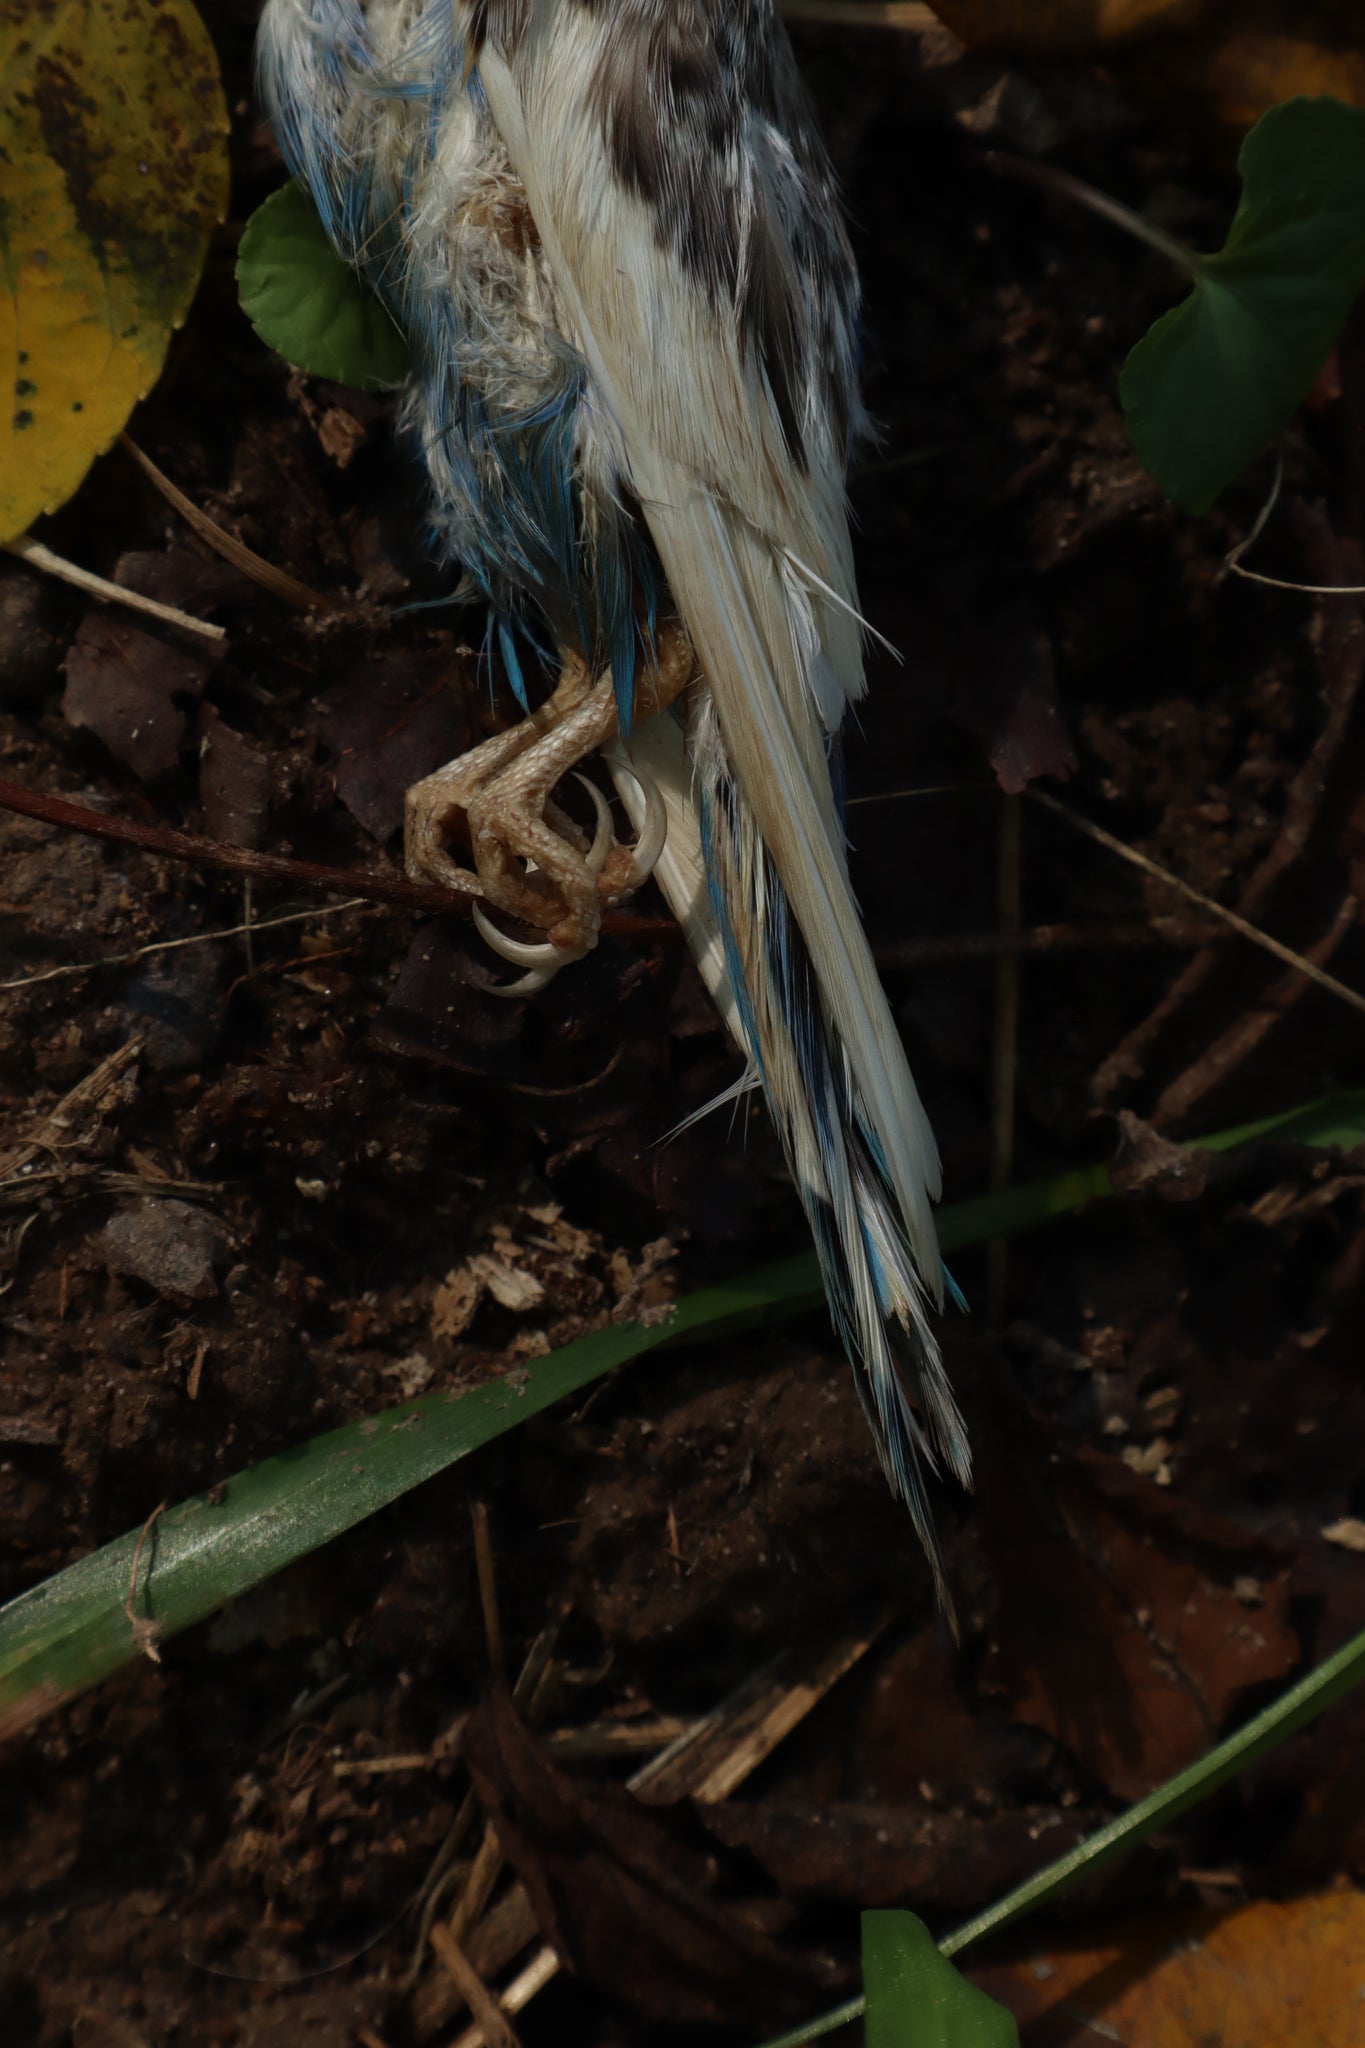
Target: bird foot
{"type": "Point", "coordinates": [530, 860]}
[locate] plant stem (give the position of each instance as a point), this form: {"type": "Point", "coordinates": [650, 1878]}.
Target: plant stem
{"type": "Point", "coordinates": [1320, 1689]}
{"type": "Point", "coordinates": [1049, 179]}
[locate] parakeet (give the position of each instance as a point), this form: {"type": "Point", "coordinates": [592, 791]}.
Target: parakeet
{"type": "Point", "coordinates": [611, 233]}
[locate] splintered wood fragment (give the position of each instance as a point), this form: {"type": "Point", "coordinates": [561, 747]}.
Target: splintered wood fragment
{"type": "Point", "coordinates": [612, 1738]}
{"type": "Point", "coordinates": [60, 1128]}
{"type": "Point", "coordinates": [710, 1759]}
{"type": "Point", "coordinates": [519, 1993]}
{"type": "Point", "coordinates": [493, 2024]}
{"type": "Point", "coordinates": [379, 1766]}
{"type": "Point", "coordinates": [532, 1693]}
{"type": "Point", "coordinates": [484, 1872]}
{"type": "Point", "coordinates": [721, 1750]}
{"type": "Point", "coordinates": [505, 1930]}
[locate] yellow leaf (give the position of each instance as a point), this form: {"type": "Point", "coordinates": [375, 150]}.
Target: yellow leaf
{"type": "Point", "coordinates": [113, 173]}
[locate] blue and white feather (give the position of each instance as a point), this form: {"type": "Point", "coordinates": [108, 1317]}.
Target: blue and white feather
{"type": "Point", "coordinates": [611, 233]}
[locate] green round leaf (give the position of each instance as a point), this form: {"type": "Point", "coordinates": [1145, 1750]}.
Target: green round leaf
{"type": "Point", "coordinates": [1220, 377]}
{"type": "Point", "coordinates": [915, 1997]}
{"type": "Point", "coordinates": [309, 305]}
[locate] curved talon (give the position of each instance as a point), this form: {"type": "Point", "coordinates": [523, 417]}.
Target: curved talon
{"type": "Point", "coordinates": [604, 838]}
{"type": "Point", "coordinates": [543, 959]}
{"type": "Point", "coordinates": [526, 984]}
{"type": "Point", "coordinates": [653, 829]}
{"type": "Point", "coordinates": [521, 952]}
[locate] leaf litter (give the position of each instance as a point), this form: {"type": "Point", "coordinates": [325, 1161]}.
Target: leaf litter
{"type": "Point", "coordinates": [402, 1170]}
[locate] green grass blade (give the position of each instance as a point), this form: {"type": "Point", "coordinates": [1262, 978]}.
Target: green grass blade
{"type": "Point", "coordinates": [1321, 1688]}
{"type": "Point", "coordinates": [75, 1629]}
{"type": "Point", "coordinates": [1332, 1120]}
{"type": "Point", "coordinates": [1303, 1702]}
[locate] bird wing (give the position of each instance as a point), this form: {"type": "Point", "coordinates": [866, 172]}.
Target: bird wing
{"type": "Point", "coordinates": [672, 207]}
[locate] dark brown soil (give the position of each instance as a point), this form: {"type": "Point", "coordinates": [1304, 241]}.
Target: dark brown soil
{"type": "Point", "coordinates": [336, 1171]}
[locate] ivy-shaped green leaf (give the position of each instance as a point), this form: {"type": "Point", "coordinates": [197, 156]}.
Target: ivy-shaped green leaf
{"type": "Point", "coordinates": [309, 305]}
{"type": "Point", "coordinates": [917, 1999]}
{"type": "Point", "coordinates": [1214, 381]}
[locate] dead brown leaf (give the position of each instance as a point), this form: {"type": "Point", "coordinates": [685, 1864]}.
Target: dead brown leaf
{"type": "Point", "coordinates": [1148, 1163]}
{"type": "Point", "coordinates": [129, 688]}
{"type": "Point", "coordinates": [882, 1855]}
{"type": "Point", "coordinates": [1120, 1628]}
{"type": "Point", "coordinates": [389, 723]}
{"type": "Point", "coordinates": [1233, 58]}
{"type": "Point", "coordinates": [623, 1900]}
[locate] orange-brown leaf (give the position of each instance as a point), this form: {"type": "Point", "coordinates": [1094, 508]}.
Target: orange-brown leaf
{"type": "Point", "coordinates": [1261, 1974]}
{"type": "Point", "coordinates": [1062, 24]}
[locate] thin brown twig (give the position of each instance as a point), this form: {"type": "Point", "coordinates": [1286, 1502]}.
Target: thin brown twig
{"type": "Point", "coordinates": [1231, 564]}
{"type": "Point", "coordinates": [1340, 654]}
{"type": "Point", "coordinates": [1299, 961]}
{"type": "Point", "coordinates": [278, 581]}
{"type": "Point", "coordinates": [477, 1890]}
{"type": "Point", "coordinates": [1234, 1045]}
{"type": "Point", "coordinates": [361, 883]}
{"type": "Point", "coordinates": [530, 1689]}
{"type": "Point", "coordinates": [236, 860]}
{"type": "Point", "coordinates": [488, 1590]}
{"type": "Point", "coordinates": [39, 557]}
{"type": "Point", "coordinates": [962, 949]}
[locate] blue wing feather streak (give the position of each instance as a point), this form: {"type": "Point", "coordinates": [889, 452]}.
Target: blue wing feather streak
{"type": "Point", "coordinates": [378, 116]}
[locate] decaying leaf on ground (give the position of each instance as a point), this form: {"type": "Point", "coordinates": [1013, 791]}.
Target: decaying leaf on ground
{"type": "Point", "coordinates": [113, 137]}
{"type": "Point", "coordinates": [1222, 62]}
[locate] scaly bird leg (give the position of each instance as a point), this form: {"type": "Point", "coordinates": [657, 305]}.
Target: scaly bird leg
{"type": "Point", "coordinates": [439, 805]}
{"type": "Point", "coordinates": [530, 859]}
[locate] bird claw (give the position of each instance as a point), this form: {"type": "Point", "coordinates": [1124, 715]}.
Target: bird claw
{"type": "Point", "coordinates": [653, 829]}
{"type": "Point", "coordinates": [604, 838]}
{"type": "Point", "coordinates": [541, 958]}
{"type": "Point", "coordinates": [640, 860]}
